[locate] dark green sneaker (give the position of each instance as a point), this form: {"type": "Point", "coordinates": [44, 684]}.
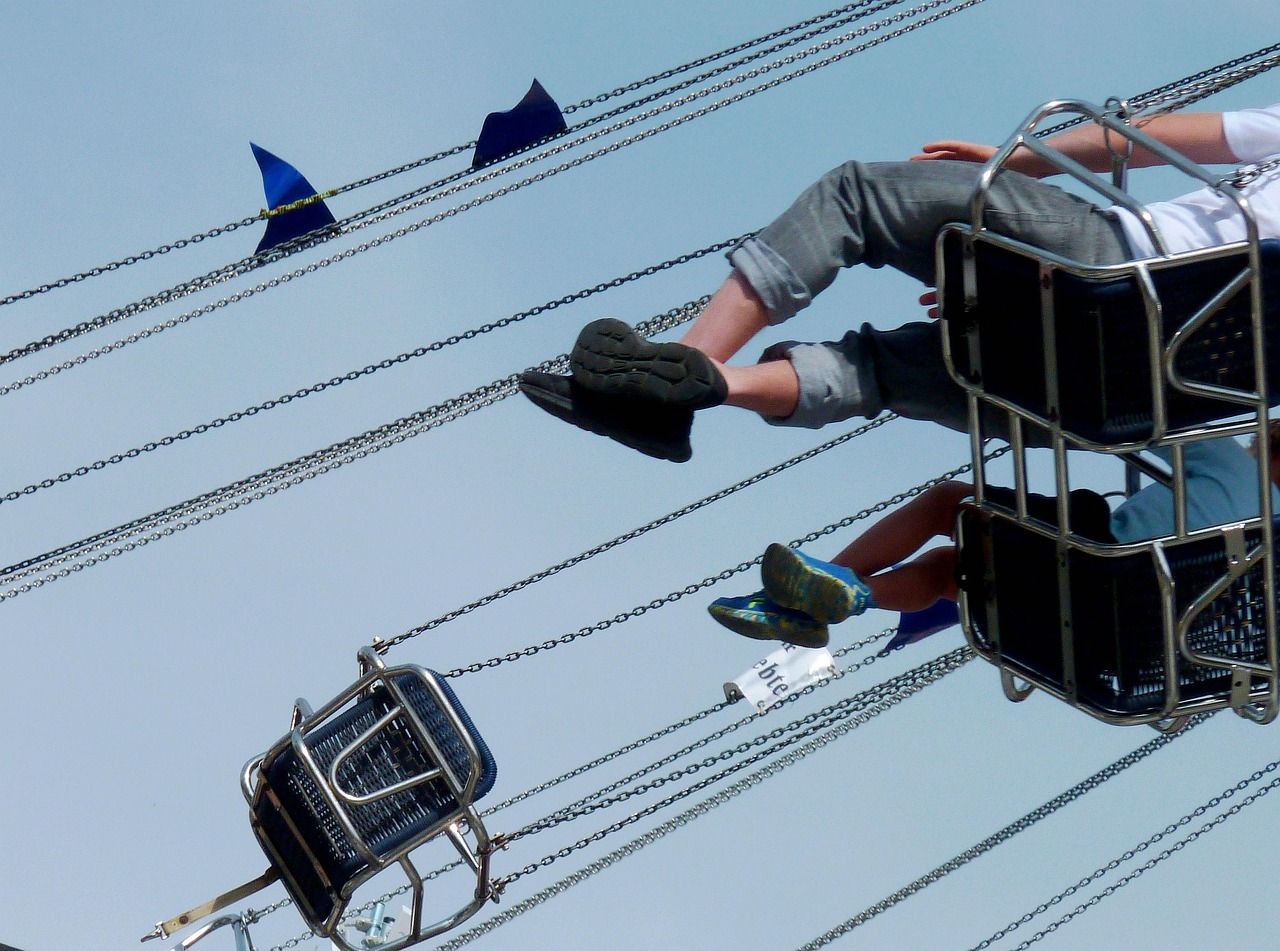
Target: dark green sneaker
{"type": "Point", "coordinates": [656, 431]}
{"type": "Point", "coordinates": [612, 359]}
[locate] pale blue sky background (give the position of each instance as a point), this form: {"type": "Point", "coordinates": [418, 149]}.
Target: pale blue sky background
{"type": "Point", "coordinates": [136, 689]}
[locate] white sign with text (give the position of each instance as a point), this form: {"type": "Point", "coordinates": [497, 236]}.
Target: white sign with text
{"type": "Point", "coordinates": [781, 674]}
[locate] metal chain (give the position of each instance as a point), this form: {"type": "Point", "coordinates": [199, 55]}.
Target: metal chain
{"type": "Point", "coordinates": [697, 586]}
{"type": "Point", "coordinates": [217, 277]}
{"type": "Point", "coordinates": [1188, 90]}
{"type": "Point", "coordinates": [602, 798]}
{"type": "Point", "coordinates": [372, 368]}
{"type": "Point", "coordinates": [753, 779]}
{"type": "Point", "coordinates": [1167, 853]}
{"type": "Point", "coordinates": [438, 156]}
{"type": "Point", "coordinates": [676, 71]}
{"type": "Point", "coordinates": [1008, 832]}
{"type": "Point", "coordinates": [253, 916]}
{"type": "Point", "coordinates": [384, 646]}
{"type": "Point", "coordinates": [667, 731]}
{"type": "Point", "coordinates": [1124, 857]}
{"type": "Point", "coordinates": [883, 697]}
{"type": "Point", "coordinates": [241, 492]}
{"type": "Point", "coordinates": [866, 8]}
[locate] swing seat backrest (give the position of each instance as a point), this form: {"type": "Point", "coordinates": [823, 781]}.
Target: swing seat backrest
{"type": "Point", "coordinates": [1095, 634]}
{"type": "Point", "coordinates": [294, 814]}
{"type": "Point", "coordinates": [1100, 338]}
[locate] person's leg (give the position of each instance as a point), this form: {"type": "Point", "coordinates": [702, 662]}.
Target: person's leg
{"type": "Point", "coordinates": [919, 584]}
{"type": "Point", "coordinates": [732, 317]}
{"type": "Point", "coordinates": [856, 578]}
{"type": "Point", "coordinates": [905, 530]}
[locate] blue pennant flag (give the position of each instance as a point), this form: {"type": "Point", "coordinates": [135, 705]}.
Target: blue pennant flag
{"type": "Point", "coordinates": [535, 117]}
{"type": "Point", "coordinates": [917, 625]}
{"type": "Point", "coordinates": [283, 185]}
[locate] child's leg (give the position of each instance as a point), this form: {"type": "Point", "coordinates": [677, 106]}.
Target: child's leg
{"type": "Point", "coordinates": [903, 532]}
{"type": "Point", "coordinates": [856, 578]}
{"type": "Point", "coordinates": [917, 584]}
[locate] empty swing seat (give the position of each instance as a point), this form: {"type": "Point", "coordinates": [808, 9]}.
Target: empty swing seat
{"type": "Point", "coordinates": [387, 766]}
{"type": "Point", "coordinates": [1090, 626]}
{"type": "Point", "coordinates": [1101, 390]}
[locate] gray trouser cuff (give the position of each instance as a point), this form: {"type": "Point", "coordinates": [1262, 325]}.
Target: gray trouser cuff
{"type": "Point", "coordinates": [772, 278]}
{"type": "Point", "coordinates": [835, 383]}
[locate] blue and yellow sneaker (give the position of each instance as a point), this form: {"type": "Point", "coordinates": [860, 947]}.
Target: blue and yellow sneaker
{"type": "Point", "coordinates": [757, 616]}
{"type": "Point", "coordinates": [826, 592]}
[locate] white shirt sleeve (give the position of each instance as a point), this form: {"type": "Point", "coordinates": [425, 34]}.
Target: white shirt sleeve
{"type": "Point", "coordinates": [1253, 134]}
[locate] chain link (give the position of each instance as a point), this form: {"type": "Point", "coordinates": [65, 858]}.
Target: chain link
{"type": "Point", "coordinates": [717, 799]}
{"type": "Point", "coordinates": [1008, 832]}
{"type": "Point", "coordinates": [1153, 862]}
{"type": "Point", "coordinates": [271, 481]}
{"type": "Point", "coordinates": [384, 646]}
{"type": "Point", "coordinates": [1190, 89]}
{"type": "Point", "coordinates": [377, 214]}
{"type": "Point", "coordinates": [458, 149]}
{"type": "Point", "coordinates": [372, 368]}
{"type": "Point", "coordinates": [871, 703]}
{"type": "Point", "coordinates": [697, 586]}
{"type": "Point", "coordinates": [602, 798]}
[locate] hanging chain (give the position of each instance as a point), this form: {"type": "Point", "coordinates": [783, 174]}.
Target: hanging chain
{"type": "Point", "coordinates": [458, 149]}
{"type": "Point", "coordinates": [753, 779]}
{"type": "Point", "coordinates": [1008, 832]}
{"type": "Point", "coordinates": [884, 696]}
{"type": "Point", "coordinates": [373, 368]}
{"type": "Point", "coordinates": [802, 727]}
{"type": "Point", "coordinates": [697, 586]}
{"type": "Point", "coordinates": [1153, 862]}
{"type": "Point", "coordinates": [384, 646]}
{"type": "Point", "coordinates": [217, 277]}
{"type": "Point", "coordinates": [271, 481]}
{"type": "Point", "coordinates": [1188, 90]}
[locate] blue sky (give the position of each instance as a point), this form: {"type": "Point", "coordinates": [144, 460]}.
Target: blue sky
{"type": "Point", "coordinates": [136, 689]}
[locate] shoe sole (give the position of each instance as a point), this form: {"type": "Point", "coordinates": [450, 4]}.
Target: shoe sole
{"type": "Point", "coordinates": [611, 358]}
{"type": "Point", "coordinates": [794, 584]}
{"type": "Point", "coordinates": [653, 430]}
{"type": "Point", "coordinates": [761, 631]}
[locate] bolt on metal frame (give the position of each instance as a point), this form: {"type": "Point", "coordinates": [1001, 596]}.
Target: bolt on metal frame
{"type": "Point", "coordinates": [1255, 691]}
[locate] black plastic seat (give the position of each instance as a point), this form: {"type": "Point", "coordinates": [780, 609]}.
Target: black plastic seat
{"type": "Point", "coordinates": [1100, 337]}
{"type": "Point", "coordinates": [1111, 658]}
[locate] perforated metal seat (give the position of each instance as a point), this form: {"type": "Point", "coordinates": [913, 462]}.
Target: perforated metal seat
{"type": "Point", "coordinates": [1074, 344]}
{"type": "Point", "coordinates": [1088, 622]}
{"type": "Point", "coordinates": [387, 766]}
{"type": "Point", "coordinates": [1156, 353]}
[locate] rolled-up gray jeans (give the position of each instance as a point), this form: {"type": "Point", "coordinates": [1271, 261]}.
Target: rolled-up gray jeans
{"type": "Point", "coordinates": [890, 213]}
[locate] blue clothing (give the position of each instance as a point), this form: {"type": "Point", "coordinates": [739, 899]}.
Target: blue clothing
{"type": "Point", "coordinates": [1222, 487]}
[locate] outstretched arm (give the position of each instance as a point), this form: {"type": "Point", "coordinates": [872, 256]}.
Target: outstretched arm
{"type": "Point", "coordinates": [1197, 135]}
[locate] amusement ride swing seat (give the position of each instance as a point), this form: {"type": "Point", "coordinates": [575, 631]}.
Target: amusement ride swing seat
{"type": "Point", "coordinates": [1119, 359]}
{"type": "Point", "coordinates": [390, 764]}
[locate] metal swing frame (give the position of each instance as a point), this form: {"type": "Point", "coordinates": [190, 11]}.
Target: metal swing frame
{"type": "Point", "coordinates": [1247, 545]}
{"type": "Point", "coordinates": [462, 825]}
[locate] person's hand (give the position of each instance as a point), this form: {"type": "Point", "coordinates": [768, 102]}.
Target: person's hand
{"type": "Point", "coordinates": [930, 299]}
{"type": "Point", "coordinates": [955, 151]}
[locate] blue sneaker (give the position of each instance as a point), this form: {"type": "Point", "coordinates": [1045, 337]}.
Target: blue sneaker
{"type": "Point", "coordinates": [757, 616]}
{"type": "Point", "coordinates": [826, 592]}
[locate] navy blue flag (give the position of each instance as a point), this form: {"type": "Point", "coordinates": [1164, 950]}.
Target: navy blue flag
{"type": "Point", "coordinates": [283, 185]}
{"type": "Point", "coordinates": [535, 117]}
